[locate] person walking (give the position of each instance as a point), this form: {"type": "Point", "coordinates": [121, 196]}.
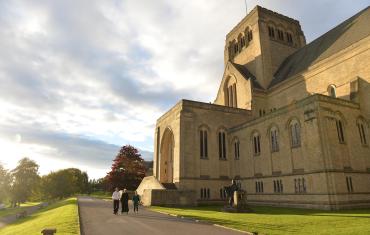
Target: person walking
{"type": "Point", "coordinates": [115, 197]}
{"type": "Point", "coordinates": [136, 201]}
{"type": "Point", "coordinates": [124, 202]}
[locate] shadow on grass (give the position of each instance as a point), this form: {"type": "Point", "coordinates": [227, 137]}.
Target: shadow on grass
{"type": "Point", "coordinates": [263, 210]}
{"type": "Point", "coordinates": [66, 202]}
{"type": "Point", "coordinates": [247, 225]}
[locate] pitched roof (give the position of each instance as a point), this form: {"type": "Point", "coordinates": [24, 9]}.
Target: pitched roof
{"type": "Point", "coordinates": [246, 74]}
{"type": "Point", "coordinates": [344, 35]}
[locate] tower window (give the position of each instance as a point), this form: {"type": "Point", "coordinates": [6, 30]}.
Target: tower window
{"type": "Point", "coordinates": [250, 35]}
{"type": "Point", "coordinates": [203, 136]}
{"type": "Point", "coordinates": [280, 35]}
{"type": "Point", "coordinates": [289, 37]}
{"type": "Point", "coordinates": [271, 31]}
{"type": "Point", "coordinates": [236, 49]}
{"type": "Point", "coordinates": [242, 42]}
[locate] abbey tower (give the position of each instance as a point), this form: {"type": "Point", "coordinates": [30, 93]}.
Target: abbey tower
{"type": "Point", "coordinates": [262, 41]}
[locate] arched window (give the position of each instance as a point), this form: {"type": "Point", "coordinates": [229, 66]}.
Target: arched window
{"type": "Point", "coordinates": [230, 93]}
{"type": "Point", "coordinates": [241, 41]}
{"type": "Point", "coordinates": [271, 31]}
{"type": "Point", "coordinates": [256, 143]}
{"type": "Point", "coordinates": [203, 141]}
{"type": "Point", "coordinates": [289, 37]}
{"type": "Point", "coordinates": [237, 149]}
{"type": "Point", "coordinates": [222, 145]}
{"type": "Point", "coordinates": [236, 48]}
{"type": "Point", "coordinates": [340, 131]}
{"type": "Point", "coordinates": [332, 91]}
{"type": "Point", "coordinates": [295, 132]}
{"type": "Point", "coordinates": [274, 139]}
{"type": "Point", "coordinates": [250, 35]}
{"type": "Point", "coordinates": [280, 34]}
{"type": "Point", "coordinates": [362, 130]}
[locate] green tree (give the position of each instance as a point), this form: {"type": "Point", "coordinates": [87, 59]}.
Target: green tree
{"type": "Point", "coordinates": [64, 183]}
{"type": "Point", "coordinates": [4, 184]}
{"type": "Point", "coordinates": [24, 180]}
{"type": "Point", "coordinates": [127, 169]}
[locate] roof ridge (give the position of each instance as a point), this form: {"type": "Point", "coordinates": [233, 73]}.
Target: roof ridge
{"type": "Point", "coordinates": [315, 44]}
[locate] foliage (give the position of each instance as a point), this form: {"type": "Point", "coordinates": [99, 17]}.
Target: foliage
{"type": "Point", "coordinates": [64, 183]}
{"type": "Point", "coordinates": [4, 184]}
{"type": "Point", "coordinates": [24, 180]}
{"type": "Point", "coordinates": [99, 185]}
{"type": "Point", "coordinates": [271, 220]}
{"type": "Point", "coordinates": [127, 169]}
{"type": "Point", "coordinates": [62, 215]}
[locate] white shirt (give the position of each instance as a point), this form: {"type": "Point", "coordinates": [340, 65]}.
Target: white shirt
{"type": "Point", "coordinates": [116, 195]}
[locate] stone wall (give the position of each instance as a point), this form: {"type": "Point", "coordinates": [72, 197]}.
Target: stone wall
{"type": "Point", "coordinates": [158, 197]}
{"type": "Point", "coordinates": [149, 182]}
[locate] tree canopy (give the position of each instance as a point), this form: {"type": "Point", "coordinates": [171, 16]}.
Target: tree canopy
{"type": "Point", "coordinates": [24, 179]}
{"type": "Point", "coordinates": [127, 169]}
{"type": "Point", "coordinates": [4, 183]}
{"type": "Point", "coordinates": [64, 183]}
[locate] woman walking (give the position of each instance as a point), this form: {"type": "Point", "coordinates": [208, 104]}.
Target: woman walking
{"type": "Point", "coordinates": [136, 201]}
{"type": "Point", "coordinates": [124, 201]}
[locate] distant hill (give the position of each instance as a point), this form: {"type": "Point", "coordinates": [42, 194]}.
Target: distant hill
{"type": "Point", "coordinates": [146, 155]}
{"type": "Point", "coordinates": [149, 167]}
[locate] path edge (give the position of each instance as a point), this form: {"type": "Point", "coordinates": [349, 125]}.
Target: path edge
{"type": "Point", "coordinates": [205, 222]}
{"type": "Point", "coordinates": [81, 232]}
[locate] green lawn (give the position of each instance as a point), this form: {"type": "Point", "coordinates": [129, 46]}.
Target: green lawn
{"type": "Point", "coordinates": [102, 195]}
{"type": "Point", "coordinates": [99, 195]}
{"type": "Point", "coordinates": [62, 215]}
{"type": "Point", "coordinates": [12, 211]}
{"type": "Point", "coordinates": [270, 220]}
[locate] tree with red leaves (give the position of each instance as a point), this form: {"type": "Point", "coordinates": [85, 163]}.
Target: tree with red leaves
{"type": "Point", "coordinates": [127, 170]}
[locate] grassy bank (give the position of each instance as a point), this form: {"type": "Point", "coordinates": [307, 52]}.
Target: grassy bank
{"type": "Point", "coordinates": [12, 211]}
{"type": "Point", "coordinates": [269, 220]}
{"type": "Point", "coordinates": [62, 215]}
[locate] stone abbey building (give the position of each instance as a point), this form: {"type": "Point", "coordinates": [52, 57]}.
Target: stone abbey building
{"type": "Point", "coordinates": [290, 120]}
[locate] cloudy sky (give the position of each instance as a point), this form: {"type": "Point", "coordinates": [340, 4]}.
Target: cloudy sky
{"type": "Point", "coordinates": [80, 78]}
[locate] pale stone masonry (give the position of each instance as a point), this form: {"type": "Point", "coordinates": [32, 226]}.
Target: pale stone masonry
{"type": "Point", "coordinates": [290, 121]}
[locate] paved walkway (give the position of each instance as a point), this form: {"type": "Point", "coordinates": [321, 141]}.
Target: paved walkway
{"type": "Point", "coordinates": [12, 218]}
{"type": "Point", "coordinates": [97, 218]}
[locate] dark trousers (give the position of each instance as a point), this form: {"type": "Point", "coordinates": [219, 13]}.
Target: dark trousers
{"type": "Point", "coordinates": [115, 206]}
{"type": "Point", "coordinates": [136, 207]}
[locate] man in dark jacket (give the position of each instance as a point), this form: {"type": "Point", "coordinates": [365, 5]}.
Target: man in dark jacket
{"type": "Point", "coordinates": [124, 202]}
